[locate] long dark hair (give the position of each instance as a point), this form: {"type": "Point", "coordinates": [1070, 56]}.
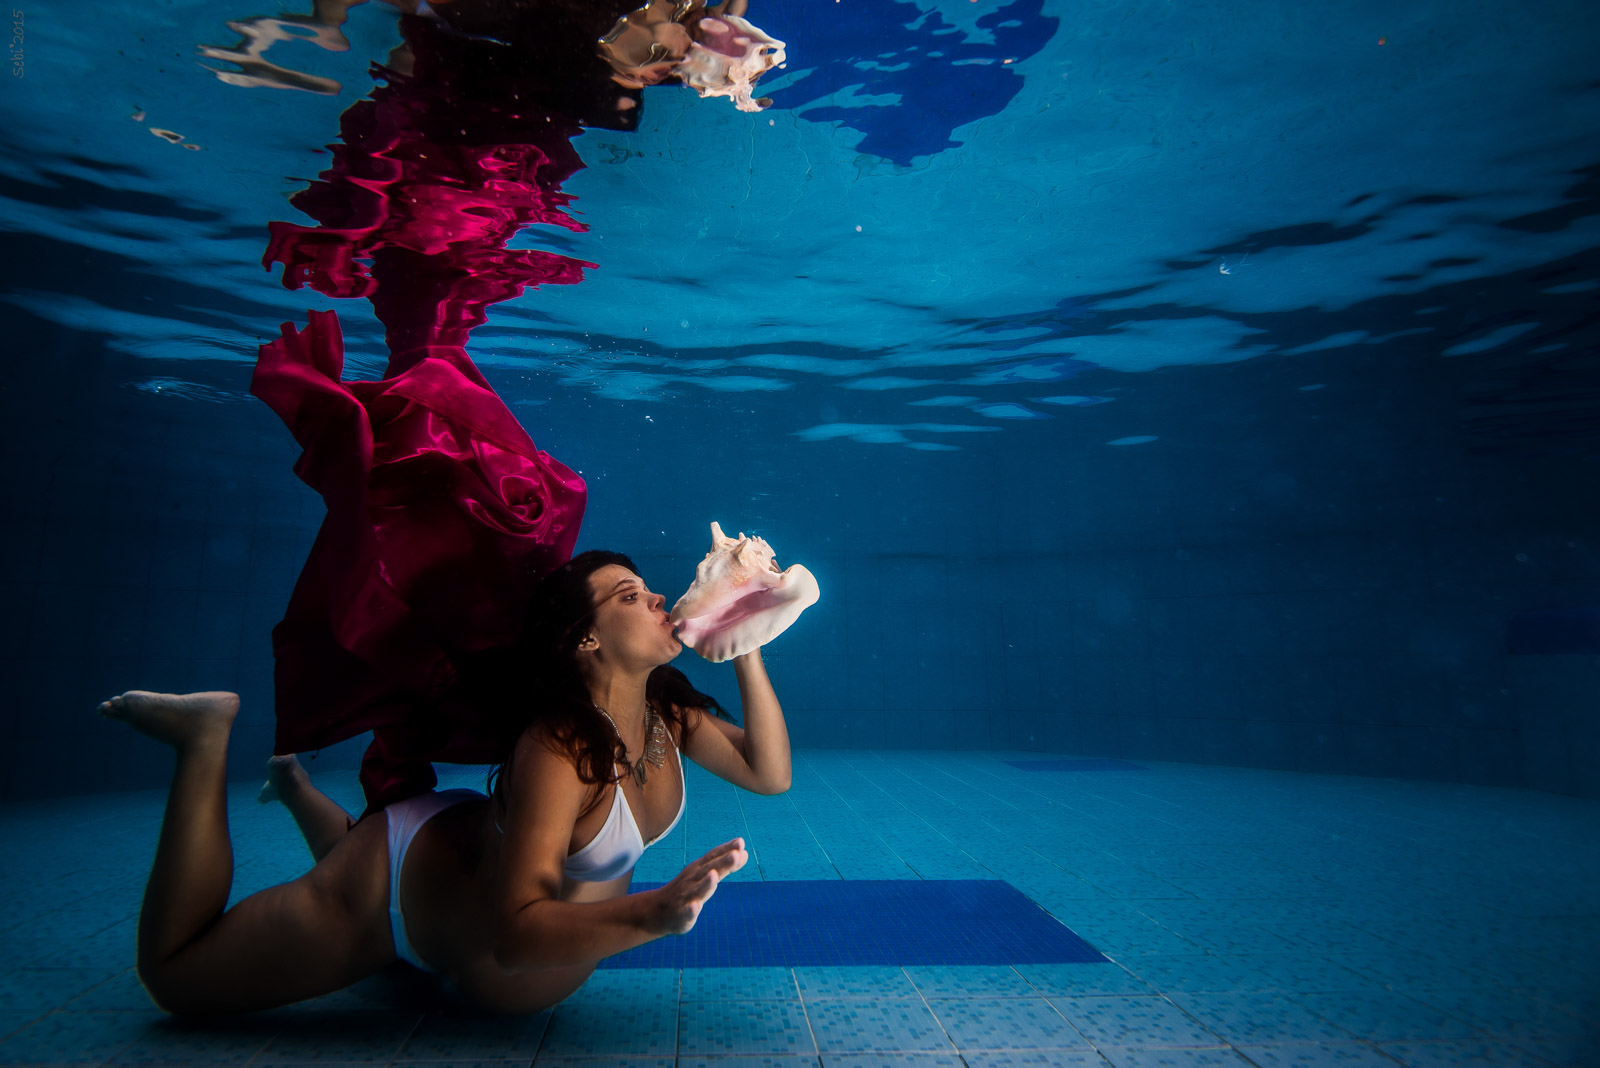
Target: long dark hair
{"type": "Point", "coordinates": [538, 680]}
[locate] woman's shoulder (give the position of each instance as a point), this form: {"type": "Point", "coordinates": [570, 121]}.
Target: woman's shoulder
{"type": "Point", "coordinates": [555, 755]}
{"type": "Point", "coordinates": [549, 754]}
{"type": "Point", "coordinates": [538, 743]}
{"type": "Point", "coordinates": [684, 721]}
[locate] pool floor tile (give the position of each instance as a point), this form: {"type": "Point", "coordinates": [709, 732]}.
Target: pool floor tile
{"type": "Point", "coordinates": [766, 1060]}
{"type": "Point", "coordinates": [1150, 1057]}
{"type": "Point", "coordinates": [863, 1025]}
{"type": "Point", "coordinates": [221, 1042]}
{"type": "Point", "coordinates": [369, 1036]}
{"type": "Point", "coordinates": [1005, 1023]}
{"type": "Point", "coordinates": [1504, 1013]}
{"type": "Point", "coordinates": [11, 1022]}
{"type": "Point", "coordinates": [1468, 1054]}
{"type": "Point", "coordinates": [607, 1061]}
{"type": "Point", "coordinates": [612, 1027]}
{"type": "Point", "coordinates": [39, 990]}
{"type": "Point", "coordinates": [971, 982]}
{"type": "Point", "coordinates": [121, 993]}
{"type": "Point", "coordinates": [74, 1037]}
{"type": "Point", "coordinates": [1242, 1018]}
{"type": "Point", "coordinates": [441, 1037]}
{"type": "Point", "coordinates": [1306, 972]}
{"type": "Point", "coordinates": [1134, 1021]}
{"type": "Point", "coordinates": [895, 1060]}
{"type": "Point", "coordinates": [740, 984]}
{"type": "Point", "coordinates": [1082, 979]}
{"type": "Point", "coordinates": [462, 1061]}
{"type": "Point", "coordinates": [1388, 1016]}
{"type": "Point", "coordinates": [708, 1028]}
{"type": "Point", "coordinates": [868, 982]}
{"type": "Point", "coordinates": [1055, 1058]}
{"type": "Point", "coordinates": [1198, 973]}
{"type": "Point", "coordinates": [1322, 1055]}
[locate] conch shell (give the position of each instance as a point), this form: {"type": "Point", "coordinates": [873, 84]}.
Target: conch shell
{"type": "Point", "coordinates": [739, 600]}
{"type": "Point", "coordinates": [710, 49]}
{"type": "Point", "coordinates": [732, 58]}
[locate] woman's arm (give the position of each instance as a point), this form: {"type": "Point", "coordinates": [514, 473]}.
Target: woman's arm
{"type": "Point", "coordinates": [766, 736]}
{"type": "Point", "coordinates": [534, 928]}
{"type": "Point", "coordinates": [754, 757]}
{"type": "Point", "coordinates": [549, 933]}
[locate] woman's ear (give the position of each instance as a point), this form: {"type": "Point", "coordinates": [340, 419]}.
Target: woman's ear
{"type": "Point", "coordinates": [589, 642]}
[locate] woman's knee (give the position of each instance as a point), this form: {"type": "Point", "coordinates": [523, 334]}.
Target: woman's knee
{"type": "Point", "coordinates": [277, 946]}
{"type": "Point", "coordinates": [169, 993]}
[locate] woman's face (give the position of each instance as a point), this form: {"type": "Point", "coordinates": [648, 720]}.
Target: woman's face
{"type": "Point", "coordinates": [631, 625]}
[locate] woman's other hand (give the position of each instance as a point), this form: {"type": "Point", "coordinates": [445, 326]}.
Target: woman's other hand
{"type": "Point", "coordinates": [680, 900]}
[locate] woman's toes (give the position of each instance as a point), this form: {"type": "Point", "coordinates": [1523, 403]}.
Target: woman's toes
{"type": "Point", "coordinates": [176, 719]}
{"type": "Point", "coordinates": [283, 773]}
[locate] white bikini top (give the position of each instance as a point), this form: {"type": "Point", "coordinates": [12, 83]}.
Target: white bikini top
{"type": "Point", "coordinates": [619, 845]}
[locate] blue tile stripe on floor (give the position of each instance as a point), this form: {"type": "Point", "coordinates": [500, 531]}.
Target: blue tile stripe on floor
{"type": "Point", "coordinates": [856, 922]}
{"type": "Point", "coordinates": [1086, 764]}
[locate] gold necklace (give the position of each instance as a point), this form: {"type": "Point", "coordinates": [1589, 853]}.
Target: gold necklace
{"type": "Point", "coordinates": [655, 746]}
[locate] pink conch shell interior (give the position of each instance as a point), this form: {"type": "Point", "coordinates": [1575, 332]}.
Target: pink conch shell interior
{"type": "Point", "coordinates": [732, 56]}
{"type": "Point", "coordinates": [739, 600]}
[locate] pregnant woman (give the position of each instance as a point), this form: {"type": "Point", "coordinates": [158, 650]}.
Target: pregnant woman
{"type": "Point", "coordinates": [511, 898]}
{"type": "Point", "coordinates": [440, 607]}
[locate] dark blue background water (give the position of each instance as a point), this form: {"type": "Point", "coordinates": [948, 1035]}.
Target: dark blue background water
{"type": "Point", "coordinates": [1069, 486]}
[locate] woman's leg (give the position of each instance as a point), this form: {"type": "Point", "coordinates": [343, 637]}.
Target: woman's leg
{"type": "Point", "coordinates": [320, 819]}
{"type": "Point", "coordinates": [317, 934]}
{"type": "Point", "coordinates": [193, 869]}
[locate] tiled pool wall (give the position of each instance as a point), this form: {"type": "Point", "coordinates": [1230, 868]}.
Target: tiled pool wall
{"type": "Point", "coordinates": [1288, 579]}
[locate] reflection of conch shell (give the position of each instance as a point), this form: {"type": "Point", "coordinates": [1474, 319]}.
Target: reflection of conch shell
{"type": "Point", "coordinates": [739, 600]}
{"type": "Point", "coordinates": [712, 50]}
{"type": "Point", "coordinates": [733, 56]}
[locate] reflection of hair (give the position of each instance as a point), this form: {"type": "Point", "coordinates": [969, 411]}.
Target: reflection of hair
{"type": "Point", "coordinates": [466, 75]}
{"type": "Point", "coordinates": [538, 681]}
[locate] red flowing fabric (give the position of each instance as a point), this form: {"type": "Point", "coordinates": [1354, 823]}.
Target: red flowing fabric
{"type": "Point", "coordinates": [429, 187]}
{"type": "Point", "coordinates": [442, 514]}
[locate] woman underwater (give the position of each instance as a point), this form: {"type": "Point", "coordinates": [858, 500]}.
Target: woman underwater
{"type": "Point", "coordinates": [439, 608]}
{"type": "Point", "coordinates": [512, 898]}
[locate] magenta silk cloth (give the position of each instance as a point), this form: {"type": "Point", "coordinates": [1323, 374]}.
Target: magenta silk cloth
{"type": "Point", "coordinates": [423, 195]}
{"type": "Point", "coordinates": [442, 515]}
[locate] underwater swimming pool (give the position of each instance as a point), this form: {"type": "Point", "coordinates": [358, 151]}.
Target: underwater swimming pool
{"type": "Point", "coordinates": [1239, 917]}
{"type": "Point", "coordinates": [1190, 416]}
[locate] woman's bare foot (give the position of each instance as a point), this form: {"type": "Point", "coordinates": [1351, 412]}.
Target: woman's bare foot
{"type": "Point", "coordinates": [180, 720]}
{"type": "Point", "coordinates": [284, 775]}
{"type": "Point", "coordinates": [321, 820]}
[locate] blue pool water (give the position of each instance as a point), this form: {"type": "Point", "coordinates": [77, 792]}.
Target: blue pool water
{"type": "Point", "coordinates": [1191, 414]}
